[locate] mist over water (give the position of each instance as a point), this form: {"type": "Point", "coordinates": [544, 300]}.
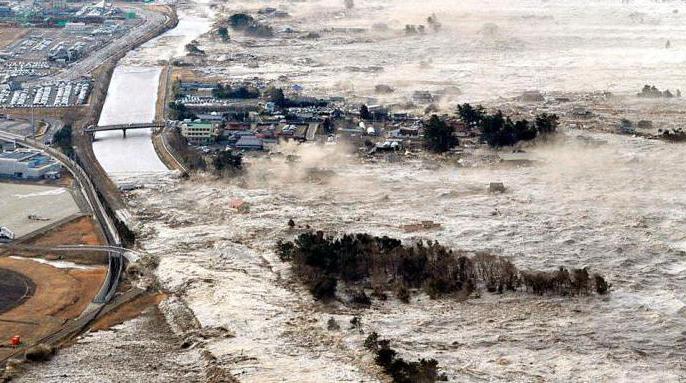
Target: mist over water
{"type": "Point", "coordinates": [486, 49]}
{"type": "Point", "coordinates": [617, 209]}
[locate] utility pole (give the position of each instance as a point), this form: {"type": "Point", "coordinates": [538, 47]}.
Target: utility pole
{"type": "Point", "coordinates": [33, 123]}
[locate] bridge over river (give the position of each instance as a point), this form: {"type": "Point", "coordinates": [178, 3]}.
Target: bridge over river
{"type": "Point", "coordinates": [124, 127]}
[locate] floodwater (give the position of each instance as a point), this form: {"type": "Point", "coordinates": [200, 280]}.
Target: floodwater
{"type": "Point", "coordinates": [618, 209]}
{"type": "Point", "coordinates": [484, 50]}
{"type": "Point", "coordinates": [193, 22]}
{"type": "Point", "coordinates": [132, 98]}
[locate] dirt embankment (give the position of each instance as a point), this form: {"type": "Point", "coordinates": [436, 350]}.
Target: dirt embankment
{"type": "Point", "coordinates": [81, 231]}
{"type": "Point", "coordinates": [158, 139]}
{"type": "Point", "coordinates": [128, 310]}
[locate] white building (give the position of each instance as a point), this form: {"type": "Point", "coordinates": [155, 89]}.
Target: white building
{"type": "Point", "coordinates": [28, 164]}
{"type": "Point", "coordinates": [197, 133]}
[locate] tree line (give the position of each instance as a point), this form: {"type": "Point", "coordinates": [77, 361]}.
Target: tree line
{"type": "Point", "coordinates": [496, 129]}
{"type": "Point", "coordinates": [385, 264]}
{"type": "Point", "coordinates": [240, 92]}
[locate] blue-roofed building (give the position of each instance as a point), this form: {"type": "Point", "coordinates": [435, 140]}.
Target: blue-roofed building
{"type": "Point", "coordinates": [6, 11]}
{"type": "Point", "coordinates": [28, 164]}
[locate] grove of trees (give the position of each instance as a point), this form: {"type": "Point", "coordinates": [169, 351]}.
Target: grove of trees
{"type": "Point", "coordinates": [438, 135]}
{"type": "Point", "coordinates": [241, 92]}
{"type": "Point", "coordinates": [62, 139]}
{"type": "Point", "coordinates": [223, 33]}
{"type": "Point", "coordinates": [178, 111]}
{"type": "Point", "coordinates": [385, 264]}
{"type": "Point", "coordinates": [228, 163]}
{"type": "Point", "coordinates": [499, 130]}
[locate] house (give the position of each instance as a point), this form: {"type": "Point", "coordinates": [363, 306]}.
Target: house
{"type": "Point", "coordinates": [232, 136]}
{"type": "Point", "coordinates": [237, 126]}
{"type": "Point", "coordinates": [404, 132]}
{"type": "Point", "coordinates": [389, 145]}
{"type": "Point", "coordinates": [532, 96]}
{"type": "Point", "coordinates": [249, 143]}
{"type": "Point", "coordinates": [194, 86]}
{"type": "Point", "coordinates": [213, 117]}
{"type": "Point", "coordinates": [296, 131]}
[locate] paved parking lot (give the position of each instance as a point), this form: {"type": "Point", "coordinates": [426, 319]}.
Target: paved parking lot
{"type": "Point", "coordinates": [18, 201]}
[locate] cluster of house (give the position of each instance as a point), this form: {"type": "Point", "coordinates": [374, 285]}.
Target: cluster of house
{"type": "Point", "coordinates": [262, 130]}
{"type": "Point", "coordinates": [252, 124]}
{"type": "Point", "coordinates": [210, 130]}
{"type": "Point", "coordinates": [28, 164]}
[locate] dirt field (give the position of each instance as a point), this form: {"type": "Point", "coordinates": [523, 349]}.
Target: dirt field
{"type": "Point", "coordinates": [81, 231]}
{"type": "Point", "coordinates": [190, 75]}
{"type": "Point", "coordinates": [10, 35]}
{"type": "Point", "coordinates": [60, 295]}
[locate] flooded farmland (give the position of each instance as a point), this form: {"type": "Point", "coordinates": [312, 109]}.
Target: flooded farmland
{"type": "Point", "coordinates": [483, 50]}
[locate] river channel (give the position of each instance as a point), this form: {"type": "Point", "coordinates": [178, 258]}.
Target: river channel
{"type": "Point", "coordinates": [132, 96]}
